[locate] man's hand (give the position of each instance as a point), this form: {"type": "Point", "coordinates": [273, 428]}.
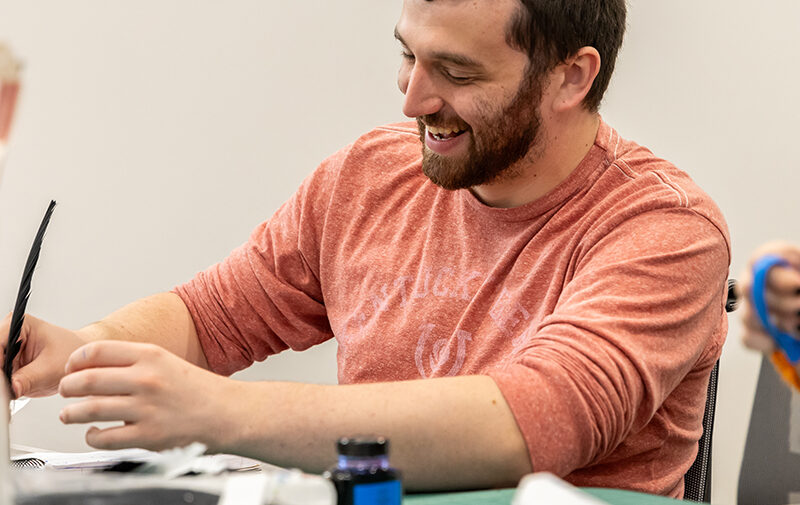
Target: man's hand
{"type": "Point", "coordinates": [40, 363]}
{"type": "Point", "coordinates": [782, 296]}
{"type": "Point", "coordinates": [163, 400]}
{"type": "Point", "coordinates": [439, 428]}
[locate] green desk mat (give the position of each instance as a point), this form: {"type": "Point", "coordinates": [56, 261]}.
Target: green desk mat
{"type": "Point", "coordinates": [503, 497]}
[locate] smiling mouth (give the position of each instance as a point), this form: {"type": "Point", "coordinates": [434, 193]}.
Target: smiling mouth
{"type": "Point", "coordinates": [444, 133]}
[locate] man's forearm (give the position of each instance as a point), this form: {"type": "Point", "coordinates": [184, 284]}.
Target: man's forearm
{"type": "Point", "coordinates": [449, 433]}
{"type": "Point", "coordinates": [160, 319]}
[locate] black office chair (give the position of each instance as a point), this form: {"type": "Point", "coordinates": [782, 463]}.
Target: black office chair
{"type": "Point", "coordinates": [697, 481]}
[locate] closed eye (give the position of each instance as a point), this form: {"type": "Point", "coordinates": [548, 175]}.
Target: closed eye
{"type": "Point", "coordinates": [457, 79]}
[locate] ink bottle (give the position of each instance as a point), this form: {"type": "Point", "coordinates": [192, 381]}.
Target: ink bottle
{"type": "Point", "coordinates": [363, 475]}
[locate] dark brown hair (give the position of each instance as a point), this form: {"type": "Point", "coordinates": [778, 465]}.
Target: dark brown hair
{"type": "Point", "coordinates": [550, 31]}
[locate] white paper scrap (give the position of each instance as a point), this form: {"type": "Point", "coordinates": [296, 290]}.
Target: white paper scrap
{"type": "Point", "coordinates": [15, 406]}
{"type": "Point", "coordinates": [547, 489]}
{"type": "Point", "coordinates": [244, 489]}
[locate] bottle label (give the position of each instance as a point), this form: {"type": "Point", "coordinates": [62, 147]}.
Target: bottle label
{"type": "Point", "coordinates": [378, 493]}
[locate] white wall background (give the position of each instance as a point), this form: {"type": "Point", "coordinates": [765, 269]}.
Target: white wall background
{"type": "Point", "coordinates": [167, 130]}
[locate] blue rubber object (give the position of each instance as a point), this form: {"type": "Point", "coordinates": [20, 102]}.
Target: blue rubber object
{"type": "Point", "coordinates": [787, 343]}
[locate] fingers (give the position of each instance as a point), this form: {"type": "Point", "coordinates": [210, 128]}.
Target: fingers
{"type": "Point", "coordinates": [782, 291]}
{"type": "Point", "coordinates": [143, 386]}
{"type": "Point", "coordinates": [100, 382]}
{"type": "Point", "coordinates": [784, 308]}
{"type": "Point", "coordinates": [107, 353]}
{"type": "Point", "coordinates": [35, 379]}
{"type": "Point", "coordinates": [755, 337]}
{"type": "Point", "coordinates": [787, 251]}
{"type": "Point", "coordinates": [107, 368]}
{"type": "Point", "coordinates": [116, 437]}
{"type": "Point", "coordinates": [33, 370]}
{"type": "Point", "coordinates": [758, 341]}
{"type": "Point", "coordinates": [132, 435]}
{"type": "Point", "coordinates": [783, 282]}
{"type": "Point", "coordinates": [101, 409]}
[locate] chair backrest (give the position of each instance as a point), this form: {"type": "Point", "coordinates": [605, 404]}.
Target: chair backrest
{"type": "Point", "coordinates": [697, 481]}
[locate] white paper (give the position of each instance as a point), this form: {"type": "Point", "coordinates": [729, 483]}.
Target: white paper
{"type": "Point", "coordinates": [80, 460]}
{"type": "Point", "coordinates": [547, 489]}
{"type": "Point", "coordinates": [293, 487]}
{"type": "Point", "coordinates": [16, 405]}
{"type": "Point", "coordinates": [103, 459]}
{"type": "Point", "coordinates": [247, 489]}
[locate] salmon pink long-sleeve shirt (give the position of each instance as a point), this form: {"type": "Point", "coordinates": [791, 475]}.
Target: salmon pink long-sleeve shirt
{"type": "Point", "coordinates": [597, 309]}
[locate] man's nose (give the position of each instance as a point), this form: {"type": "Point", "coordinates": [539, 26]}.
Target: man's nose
{"type": "Point", "coordinates": [421, 94]}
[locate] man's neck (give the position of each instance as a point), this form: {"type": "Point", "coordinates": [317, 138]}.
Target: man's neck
{"type": "Point", "coordinates": [565, 144]}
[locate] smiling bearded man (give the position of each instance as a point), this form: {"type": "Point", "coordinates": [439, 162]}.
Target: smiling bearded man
{"type": "Point", "coordinates": [499, 140]}
{"type": "Point", "coordinates": [534, 292]}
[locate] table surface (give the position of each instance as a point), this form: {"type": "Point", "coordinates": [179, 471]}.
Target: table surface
{"type": "Point", "coordinates": [503, 497]}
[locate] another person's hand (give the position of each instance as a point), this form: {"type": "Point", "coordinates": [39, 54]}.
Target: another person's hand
{"type": "Point", "coordinates": [782, 297]}
{"type": "Point", "coordinates": [163, 400]}
{"type": "Point", "coordinates": [40, 363]}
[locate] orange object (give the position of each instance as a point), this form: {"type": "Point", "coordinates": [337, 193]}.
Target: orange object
{"type": "Point", "coordinates": [785, 369]}
{"type": "Point", "coordinates": [8, 101]}
{"type": "Point", "coordinates": [9, 90]}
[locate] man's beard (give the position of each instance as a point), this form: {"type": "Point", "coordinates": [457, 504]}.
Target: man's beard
{"type": "Point", "coordinates": [505, 139]}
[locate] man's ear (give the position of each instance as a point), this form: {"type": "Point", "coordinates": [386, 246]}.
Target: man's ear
{"type": "Point", "coordinates": [575, 78]}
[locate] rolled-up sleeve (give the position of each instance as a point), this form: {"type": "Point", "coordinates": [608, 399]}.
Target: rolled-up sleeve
{"type": "Point", "coordinates": [266, 296]}
{"type": "Point", "coordinates": [641, 311]}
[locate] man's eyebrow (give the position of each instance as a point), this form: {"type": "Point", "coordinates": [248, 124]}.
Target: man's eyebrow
{"type": "Point", "coordinates": [457, 59]}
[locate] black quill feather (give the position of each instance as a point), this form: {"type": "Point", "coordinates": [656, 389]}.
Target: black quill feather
{"type": "Point", "coordinates": [18, 316]}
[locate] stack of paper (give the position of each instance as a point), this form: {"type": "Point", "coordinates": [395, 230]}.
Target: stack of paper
{"type": "Point", "coordinates": [96, 460]}
{"type": "Point", "coordinates": [79, 460]}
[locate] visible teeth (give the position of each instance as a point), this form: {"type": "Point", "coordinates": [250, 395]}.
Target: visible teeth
{"type": "Point", "coordinates": [435, 130]}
